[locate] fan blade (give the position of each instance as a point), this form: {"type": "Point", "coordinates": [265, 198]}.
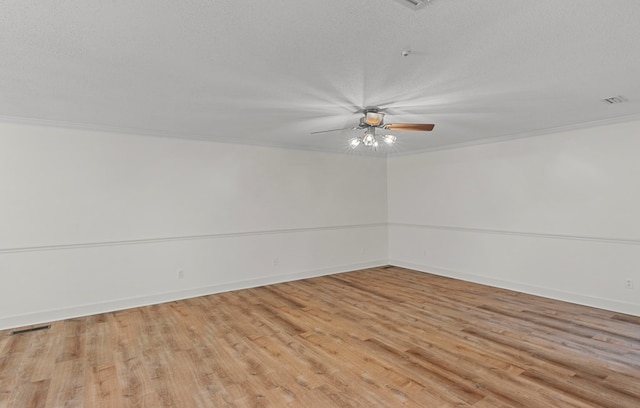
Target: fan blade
{"type": "Point", "coordinates": [425, 127]}
{"type": "Point", "coordinates": [332, 130]}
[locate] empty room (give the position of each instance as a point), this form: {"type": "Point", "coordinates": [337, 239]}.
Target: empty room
{"type": "Point", "coordinates": [364, 203]}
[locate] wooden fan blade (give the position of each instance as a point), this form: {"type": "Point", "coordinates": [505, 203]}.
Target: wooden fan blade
{"type": "Point", "coordinates": [425, 127]}
{"type": "Point", "coordinates": [332, 130]}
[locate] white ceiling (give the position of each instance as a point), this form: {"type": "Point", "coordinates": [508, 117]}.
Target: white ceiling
{"type": "Point", "coordinates": [272, 71]}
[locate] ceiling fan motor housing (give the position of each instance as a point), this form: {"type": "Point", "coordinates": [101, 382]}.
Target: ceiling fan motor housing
{"type": "Point", "coordinates": [372, 117]}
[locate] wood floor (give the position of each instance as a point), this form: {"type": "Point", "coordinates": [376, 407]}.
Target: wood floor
{"type": "Point", "coordinates": [372, 338]}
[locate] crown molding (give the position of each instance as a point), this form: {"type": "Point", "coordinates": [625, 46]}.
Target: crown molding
{"type": "Point", "coordinates": [20, 120]}
{"type": "Point", "coordinates": [515, 136]}
{"type": "Point", "coordinates": [382, 154]}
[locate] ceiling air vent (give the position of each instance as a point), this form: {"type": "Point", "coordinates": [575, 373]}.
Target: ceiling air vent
{"type": "Point", "coordinates": [414, 4]}
{"type": "Point", "coordinates": [614, 99]}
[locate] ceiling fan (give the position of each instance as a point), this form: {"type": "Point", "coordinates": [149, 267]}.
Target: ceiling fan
{"type": "Point", "coordinates": [374, 119]}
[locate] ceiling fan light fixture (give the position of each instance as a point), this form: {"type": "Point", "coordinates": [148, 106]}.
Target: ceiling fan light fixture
{"type": "Point", "coordinates": [368, 139]}
{"type": "Point", "coordinates": [389, 139]}
{"type": "Point", "coordinates": [372, 119]}
{"type": "Point", "coordinates": [355, 142]}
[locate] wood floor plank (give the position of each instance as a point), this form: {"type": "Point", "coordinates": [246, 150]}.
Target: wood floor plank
{"type": "Point", "coordinates": [72, 340]}
{"type": "Point", "coordinates": [30, 394]}
{"type": "Point", "coordinates": [7, 388]}
{"type": "Point", "coordinates": [380, 337]}
{"type": "Point", "coordinates": [67, 385]}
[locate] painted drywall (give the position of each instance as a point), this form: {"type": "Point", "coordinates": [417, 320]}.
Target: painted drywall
{"type": "Point", "coordinates": [94, 221]}
{"type": "Point", "coordinates": [555, 215]}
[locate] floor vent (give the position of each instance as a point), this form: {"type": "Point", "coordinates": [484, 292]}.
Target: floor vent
{"type": "Point", "coordinates": [32, 329]}
{"type": "Point", "coordinates": [386, 267]}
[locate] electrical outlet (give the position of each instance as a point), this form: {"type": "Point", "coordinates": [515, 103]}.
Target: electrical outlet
{"type": "Point", "coordinates": [276, 261]}
{"type": "Point", "coordinates": [628, 283]}
{"type": "Point", "coordinates": [180, 274]}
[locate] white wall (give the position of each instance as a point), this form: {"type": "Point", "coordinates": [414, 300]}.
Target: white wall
{"type": "Point", "coordinates": [92, 221]}
{"type": "Point", "coordinates": [555, 215]}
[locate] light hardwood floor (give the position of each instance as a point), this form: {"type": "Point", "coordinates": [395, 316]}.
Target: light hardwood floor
{"type": "Point", "coordinates": [372, 338]}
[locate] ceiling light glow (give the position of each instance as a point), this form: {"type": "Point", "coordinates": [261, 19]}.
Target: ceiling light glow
{"type": "Point", "coordinates": [370, 139]}
{"type": "Point", "coordinates": [389, 139]}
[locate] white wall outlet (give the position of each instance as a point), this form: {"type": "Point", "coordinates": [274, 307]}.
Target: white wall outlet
{"type": "Point", "coordinates": [276, 261]}
{"type": "Point", "coordinates": [180, 274]}
{"type": "Point", "coordinates": [628, 283]}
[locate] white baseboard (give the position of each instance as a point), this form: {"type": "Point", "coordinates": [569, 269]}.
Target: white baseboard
{"type": "Point", "coordinates": [601, 303]}
{"type": "Point", "coordinates": [120, 304]}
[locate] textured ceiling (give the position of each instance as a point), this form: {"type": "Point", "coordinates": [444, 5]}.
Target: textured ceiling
{"type": "Point", "coordinates": [271, 72]}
